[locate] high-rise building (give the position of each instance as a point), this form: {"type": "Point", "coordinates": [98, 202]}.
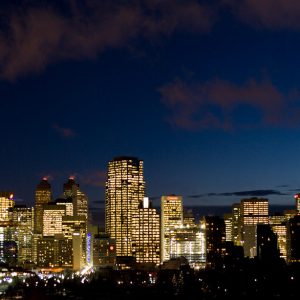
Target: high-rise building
{"type": "Point", "coordinates": [104, 250]}
{"type": "Point", "coordinates": [236, 224]}
{"type": "Point", "coordinates": [52, 219]}
{"type": "Point", "coordinates": [23, 221]}
{"type": "Point", "coordinates": [171, 217]}
{"type": "Point", "coordinates": [293, 240]}
{"type": "Point", "coordinates": [228, 219]}
{"type": "Point", "coordinates": [79, 199]}
{"type": "Point", "coordinates": [280, 231]}
{"type": "Point", "coordinates": [6, 203]}
{"type": "Point", "coordinates": [278, 225]}
{"type": "Point", "coordinates": [254, 211]}
{"type": "Point", "coordinates": [266, 245]}
{"type": "Point", "coordinates": [215, 239]}
{"type": "Point", "coordinates": [146, 234]}
{"type": "Point", "coordinates": [297, 198]}
{"type": "Point", "coordinates": [43, 195]}
{"type": "Point", "coordinates": [68, 204]}
{"type": "Point", "coordinates": [125, 189]}
{"type": "Point", "coordinates": [8, 245]}
{"type": "Point", "coordinates": [189, 242]}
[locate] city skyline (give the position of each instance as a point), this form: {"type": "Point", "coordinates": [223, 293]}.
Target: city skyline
{"type": "Point", "coordinates": [206, 93]}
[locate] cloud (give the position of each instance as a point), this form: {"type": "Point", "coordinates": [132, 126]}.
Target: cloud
{"type": "Point", "coordinates": [272, 14]}
{"type": "Point", "coordinates": [253, 193]}
{"type": "Point", "coordinates": [63, 131]}
{"type": "Point", "coordinates": [36, 36]}
{"type": "Point", "coordinates": [250, 193]}
{"type": "Point", "coordinates": [220, 104]}
{"type": "Point", "coordinates": [93, 178]}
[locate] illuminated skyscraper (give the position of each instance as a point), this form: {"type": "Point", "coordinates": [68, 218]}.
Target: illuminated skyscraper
{"type": "Point", "coordinates": [228, 219]}
{"type": "Point", "coordinates": [52, 219]}
{"type": "Point", "coordinates": [125, 189]}
{"type": "Point", "coordinates": [8, 245]}
{"type": "Point", "coordinates": [279, 227]}
{"type": "Point", "coordinates": [146, 234]}
{"type": "Point", "coordinates": [80, 200]}
{"type": "Point", "coordinates": [253, 211]}
{"type": "Point", "coordinates": [188, 241]}
{"type": "Point", "coordinates": [171, 217]}
{"type": "Point", "coordinates": [6, 203]}
{"type": "Point", "coordinates": [236, 224]}
{"type": "Point", "coordinates": [43, 195]}
{"type": "Point", "coordinates": [215, 239]}
{"type": "Point", "coordinates": [23, 221]}
{"type": "Point", "coordinates": [293, 240]}
{"type": "Point", "coordinates": [297, 198]}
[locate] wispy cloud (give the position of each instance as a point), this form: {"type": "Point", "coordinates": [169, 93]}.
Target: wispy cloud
{"type": "Point", "coordinates": [250, 193]}
{"type": "Point", "coordinates": [271, 14]}
{"type": "Point", "coordinates": [38, 35]}
{"type": "Point", "coordinates": [220, 104]}
{"type": "Point", "coordinates": [64, 131]}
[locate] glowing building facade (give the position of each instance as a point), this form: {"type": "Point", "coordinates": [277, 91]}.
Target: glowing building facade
{"type": "Point", "coordinates": [254, 211]}
{"type": "Point", "coordinates": [146, 234]}
{"type": "Point", "coordinates": [125, 189]}
{"type": "Point", "coordinates": [23, 221]}
{"type": "Point", "coordinates": [228, 219]}
{"type": "Point", "coordinates": [6, 204]}
{"type": "Point", "coordinates": [297, 198]}
{"type": "Point", "coordinates": [52, 219]}
{"type": "Point", "coordinates": [188, 241]}
{"type": "Point", "coordinates": [79, 199]}
{"type": "Point", "coordinates": [43, 195]}
{"type": "Point", "coordinates": [236, 234]}
{"type": "Point", "coordinates": [171, 218]}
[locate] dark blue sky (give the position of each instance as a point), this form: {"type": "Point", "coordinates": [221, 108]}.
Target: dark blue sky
{"type": "Point", "coordinates": [205, 92]}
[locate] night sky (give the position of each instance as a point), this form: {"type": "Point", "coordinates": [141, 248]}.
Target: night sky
{"type": "Point", "coordinates": [206, 93]}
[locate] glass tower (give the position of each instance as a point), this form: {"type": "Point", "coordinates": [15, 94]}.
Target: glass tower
{"type": "Point", "coordinates": [171, 218]}
{"type": "Point", "coordinates": [125, 189]}
{"type": "Point", "coordinates": [43, 195]}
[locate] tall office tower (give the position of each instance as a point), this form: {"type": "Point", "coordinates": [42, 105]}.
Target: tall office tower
{"type": "Point", "coordinates": [8, 245]}
{"type": "Point", "coordinates": [68, 204]}
{"type": "Point", "coordinates": [125, 189]}
{"type": "Point", "coordinates": [188, 218]}
{"type": "Point", "coordinates": [6, 203]}
{"type": "Point", "coordinates": [43, 195]}
{"type": "Point", "coordinates": [278, 225]}
{"type": "Point", "coordinates": [280, 231]}
{"type": "Point", "coordinates": [228, 219]}
{"type": "Point", "coordinates": [171, 217]}
{"type": "Point", "coordinates": [54, 251]}
{"type": "Point", "coordinates": [188, 241]}
{"type": "Point", "coordinates": [52, 219]}
{"type": "Point", "coordinates": [23, 221]}
{"type": "Point", "coordinates": [266, 245]}
{"type": "Point", "coordinates": [80, 210]}
{"type": "Point", "coordinates": [293, 240]}
{"type": "Point", "coordinates": [236, 224]}
{"type": "Point", "coordinates": [75, 228]}
{"type": "Point", "coordinates": [276, 219]}
{"type": "Point", "coordinates": [80, 200]}
{"type": "Point", "coordinates": [146, 234]}
{"type": "Point", "coordinates": [297, 198]}
{"type": "Point", "coordinates": [215, 239]}
{"type": "Point", "coordinates": [104, 250]}
{"type": "Point", "coordinates": [254, 211]}
{"type": "Point", "coordinates": [290, 213]}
